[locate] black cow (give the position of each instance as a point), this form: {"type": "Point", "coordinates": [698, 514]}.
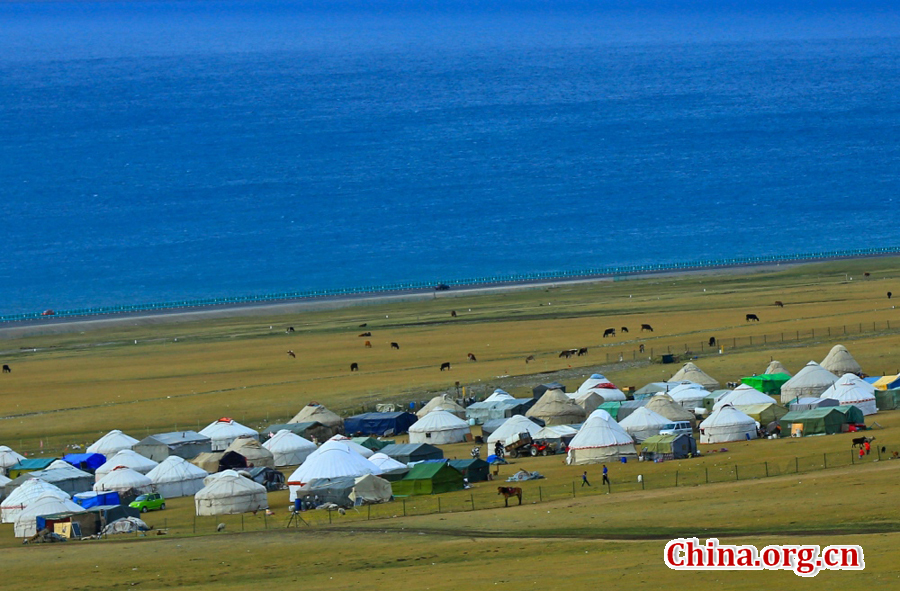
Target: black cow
{"type": "Point", "coordinates": [609, 332]}
{"type": "Point", "coordinates": [445, 365]}
{"type": "Point", "coordinates": [471, 357]}
{"type": "Point", "coordinates": [889, 295]}
{"type": "Point", "coordinates": [395, 346]}
{"type": "Point", "coordinates": [624, 329]}
{"type": "Point", "coordinates": [641, 347]}
{"type": "Point", "coordinates": [290, 329]}
{"type": "Point", "coordinates": [7, 369]}
{"type": "Point", "coordinates": [453, 313]}
{"type": "Point", "coordinates": [712, 341]}
{"type": "Point", "coordinates": [565, 354]}
{"type": "Point", "coordinates": [582, 351]}
{"type": "Point", "coordinates": [366, 334]}
{"type": "Point", "coordinates": [646, 327]}
{"type": "Point", "coordinates": [354, 367]}
{"type": "Point", "coordinates": [752, 317]}
{"type": "Point", "coordinates": [529, 358]}
{"type": "Point", "coordinates": [364, 324]}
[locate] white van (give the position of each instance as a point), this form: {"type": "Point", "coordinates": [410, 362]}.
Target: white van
{"type": "Point", "coordinates": [676, 428]}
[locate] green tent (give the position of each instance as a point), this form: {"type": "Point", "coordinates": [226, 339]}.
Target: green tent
{"type": "Point", "coordinates": [372, 443]}
{"type": "Point", "coordinates": [887, 399]}
{"type": "Point", "coordinates": [26, 466]}
{"type": "Point", "coordinates": [853, 415]}
{"type": "Point", "coordinates": [429, 478]}
{"type": "Point", "coordinates": [763, 413]}
{"type": "Point", "coordinates": [668, 447]}
{"type": "Point", "coordinates": [475, 469]}
{"type": "Point", "coordinates": [710, 399]}
{"type": "Point", "coordinates": [816, 421]}
{"type": "Point", "coordinates": [770, 383]}
{"type": "Point", "coordinates": [612, 408]}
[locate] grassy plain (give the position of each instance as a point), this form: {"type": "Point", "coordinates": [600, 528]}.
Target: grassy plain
{"type": "Point", "coordinates": [70, 388]}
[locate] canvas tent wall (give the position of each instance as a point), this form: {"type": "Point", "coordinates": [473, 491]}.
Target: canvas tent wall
{"type": "Point", "coordinates": [316, 412]}
{"type": "Point", "coordinates": [776, 367]}
{"type": "Point", "coordinates": [208, 462]}
{"type": "Point", "coordinates": [379, 424]}
{"type": "Point", "coordinates": [429, 478]}
{"type": "Point", "coordinates": [473, 469]}
{"type": "Point", "coordinates": [3, 482]}
{"type": "Point", "coordinates": [768, 383]}
{"type": "Point", "coordinates": [370, 490]}
{"type": "Point", "coordinates": [390, 468]}
{"type": "Point", "coordinates": [654, 388]}
{"type": "Point", "coordinates": [443, 402]}
{"type": "Point", "coordinates": [8, 458]}
{"type": "Point", "coordinates": [539, 390]}
{"type": "Point", "coordinates": [253, 451]}
{"type": "Point", "coordinates": [184, 444]}
{"type": "Point", "coordinates": [839, 361]}
{"type": "Point", "coordinates": [289, 449]}
{"type": "Point", "coordinates": [17, 500]}
{"type": "Point", "coordinates": [612, 408]}
{"type": "Point", "coordinates": [268, 477]}
{"type": "Point", "coordinates": [491, 410]}
{"type": "Point", "coordinates": [664, 405]}
{"type": "Point", "coordinates": [128, 458]}
{"type": "Point", "coordinates": [332, 460]}
{"type": "Point", "coordinates": [126, 482]}
{"type": "Point", "coordinates": [887, 399]}
{"type": "Point", "coordinates": [727, 424]}
{"type": "Point", "coordinates": [225, 430]}
{"type": "Point", "coordinates": [810, 403]}
{"type": "Point", "coordinates": [810, 381]}
{"type": "Point", "coordinates": [589, 402]}
{"type": "Point", "coordinates": [372, 443]}
{"type": "Point", "coordinates": [176, 477]}
{"type": "Point", "coordinates": [763, 413]}
{"type": "Point", "coordinates": [691, 372]}
{"type": "Point", "coordinates": [70, 480]}
{"type": "Point", "coordinates": [817, 421]}
{"type": "Point", "coordinates": [852, 414]}
{"type": "Point", "coordinates": [230, 494]}
{"type": "Point", "coordinates": [311, 431]}
{"type": "Point", "coordinates": [360, 449]}
{"type": "Point", "coordinates": [556, 408]}
{"type": "Point", "coordinates": [600, 385]}
{"type": "Point", "coordinates": [111, 443]}
{"type": "Point", "coordinates": [851, 389]}
{"type": "Point", "coordinates": [689, 396]}
{"type": "Point", "coordinates": [439, 427]}
{"type": "Point", "coordinates": [600, 439]}
{"type": "Point", "coordinates": [709, 401]}
{"type": "Point", "coordinates": [511, 429]}
{"type": "Point", "coordinates": [46, 504]}
{"type": "Point", "coordinates": [408, 453]}
{"type": "Point", "coordinates": [669, 447]}
{"type": "Point", "coordinates": [744, 395]}
{"type": "Point", "coordinates": [643, 423]}
{"type": "Point", "coordinates": [29, 465]}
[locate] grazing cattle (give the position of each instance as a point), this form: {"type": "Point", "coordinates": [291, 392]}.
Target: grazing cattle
{"type": "Point", "coordinates": [354, 367]}
{"type": "Point", "coordinates": [471, 357]}
{"type": "Point", "coordinates": [609, 332]}
{"type": "Point", "coordinates": [292, 354]}
{"type": "Point", "coordinates": [582, 351]}
{"type": "Point", "coordinates": [861, 441]}
{"type": "Point", "coordinates": [7, 369]}
{"type": "Point", "coordinates": [565, 354]}
{"type": "Point", "coordinates": [445, 365]}
{"type": "Point", "coordinates": [867, 274]}
{"type": "Point", "coordinates": [368, 344]}
{"type": "Point", "coordinates": [889, 295]}
{"type": "Point", "coordinates": [712, 341]}
{"type": "Point", "coordinates": [366, 334]}
{"type": "Point", "coordinates": [624, 329]}
{"type": "Point", "coordinates": [364, 324]}
{"type": "Point", "coordinates": [453, 313]}
{"type": "Point", "coordinates": [646, 327]}
{"type": "Point", "coordinates": [509, 491]}
{"type": "Point", "coordinates": [779, 303]}
{"type": "Point", "coordinates": [290, 329]}
{"type": "Point", "coordinates": [752, 317]}
{"type": "Point", "coordinates": [529, 358]}
{"type": "Point", "coordinates": [641, 347]}
{"type": "Point", "coordinates": [395, 346]}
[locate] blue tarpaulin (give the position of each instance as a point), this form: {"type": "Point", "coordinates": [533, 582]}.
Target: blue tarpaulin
{"type": "Point", "coordinates": [86, 462]}
{"type": "Point", "coordinates": [381, 424]}
{"type": "Point", "coordinates": [96, 499]}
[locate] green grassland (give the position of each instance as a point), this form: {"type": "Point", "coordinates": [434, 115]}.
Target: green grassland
{"type": "Point", "coordinates": [69, 388]}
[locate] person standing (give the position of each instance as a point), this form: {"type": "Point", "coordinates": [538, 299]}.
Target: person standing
{"type": "Point", "coordinates": [584, 480]}
{"type": "Point", "coordinates": [605, 474]}
{"type": "Point", "coordinates": [868, 448]}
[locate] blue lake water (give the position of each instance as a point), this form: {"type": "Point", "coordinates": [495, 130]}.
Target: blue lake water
{"type": "Point", "coordinates": [161, 151]}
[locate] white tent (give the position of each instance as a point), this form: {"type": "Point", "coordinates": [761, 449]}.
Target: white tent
{"type": "Point", "coordinates": [66, 477]}
{"type": "Point", "coordinates": [643, 423]}
{"type": "Point", "coordinates": [8, 458]}
{"type": "Point", "coordinates": [3, 482]}
{"type": "Point", "coordinates": [556, 408]}
{"type": "Point", "coordinates": [840, 361]}
{"type": "Point", "coordinates": [601, 386]}
{"type": "Point", "coordinates": [230, 494]}
{"type": "Point", "coordinates": [777, 367]}
{"type": "Point", "coordinates": [727, 423]}
{"type": "Point", "coordinates": [317, 412]}
{"type": "Point", "coordinates": [332, 460]}
{"type": "Point", "coordinates": [24, 495]}
{"type": "Point", "coordinates": [112, 442]}
{"type": "Point", "coordinates": [689, 396]}
{"type": "Point", "coordinates": [555, 432]}
{"type": "Point", "coordinates": [852, 390]}
{"type": "Point", "coordinates": [387, 464]}
{"type": "Point", "coordinates": [360, 449]}
{"type": "Point", "coordinates": [439, 427]}
{"type": "Point", "coordinates": [224, 431]}
{"type": "Point", "coordinates": [694, 374]}
{"type": "Point", "coordinates": [589, 401]}
{"type": "Point", "coordinates": [46, 504]}
{"type": "Point", "coordinates": [442, 402]}
{"type": "Point", "coordinates": [664, 405]}
{"type": "Point", "coordinates": [499, 395]}
{"type": "Point", "coordinates": [127, 458]}
{"type": "Point", "coordinates": [176, 477]}
{"type": "Point", "coordinates": [370, 489]}
{"type": "Point", "coordinates": [809, 382]}
{"type": "Point", "coordinates": [600, 439]}
{"type": "Point", "coordinates": [743, 395]}
{"type": "Point", "coordinates": [288, 448]}
{"type": "Point", "coordinates": [124, 480]}
{"type": "Point", "coordinates": [511, 427]}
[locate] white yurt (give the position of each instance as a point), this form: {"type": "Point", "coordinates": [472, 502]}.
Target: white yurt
{"type": "Point", "coordinates": [498, 395]}
{"type": "Point", "coordinates": [176, 477]}
{"type": "Point", "coordinates": [556, 408]}
{"type": "Point", "coordinates": [643, 423]}
{"type": "Point", "coordinates": [849, 390]}
{"type": "Point", "coordinates": [589, 401]}
{"type": "Point", "coordinates": [46, 504]}
{"type": "Point", "coordinates": [332, 460]}
{"type": "Point", "coordinates": [370, 489]}
{"type": "Point", "coordinates": [8, 458]}
{"type": "Point", "coordinates": [24, 495]}
{"type": "Point", "coordinates": [289, 449]}
{"type": "Point", "coordinates": [689, 396]}
{"type": "Point", "coordinates": [600, 439]}
{"type": "Point", "coordinates": [510, 429]}
{"type": "Point", "coordinates": [601, 386]}
{"type": "Point", "coordinates": [744, 395]}
{"type": "Point", "coordinates": [555, 432]}
{"type": "Point", "coordinates": [691, 372]}
{"type": "Point", "coordinates": [839, 361]}
{"type": "Point", "coordinates": [360, 449]}
{"type": "Point", "coordinates": [224, 431]}
{"type": "Point", "coordinates": [439, 427]}
{"type": "Point", "coordinates": [250, 447]}
{"type": "Point", "coordinates": [111, 443]}
{"type": "Point", "coordinates": [66, 477]}
{"type": "Point", "coordinates": [127, 458]}
{"type": "Point", "coordinates": [230, 494]}
{"type": "Point", "coordinates": [3, 482]}
{"type": "Point", "coordinates": [777, 367]}
{"type": "Point", "coordinates": [664, 405]}
{"type": "Point", "coordinates": [727, 423]}
{"type": "Point", "coordinates": [809, 382]}
{"type": "Point", "coordinates": [316, 412]}
{"type": "Point", "coordinates": [388, 465]}
{"type": "Point", "coordinates": [124, 481]}
{"type": "Point", "coordinates": [442, 402]}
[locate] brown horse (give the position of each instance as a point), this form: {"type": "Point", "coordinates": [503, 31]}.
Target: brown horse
{"type": "Point", "coordinates": [509, 491]}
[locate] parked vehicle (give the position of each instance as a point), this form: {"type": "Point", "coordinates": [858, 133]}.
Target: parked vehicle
{"type": "Point", "coordinates": [676, 428]}
{"type": "Point", "coordinates": [148, 502]}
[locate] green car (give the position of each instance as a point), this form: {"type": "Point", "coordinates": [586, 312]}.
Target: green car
{"type": "Point", "coordinates": [149, 502]}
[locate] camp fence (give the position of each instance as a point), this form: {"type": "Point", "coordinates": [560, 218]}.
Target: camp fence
{"type": "Point", "coordinates": [485, 496]}
{"type": "Point", "coordinates": [413, 286]}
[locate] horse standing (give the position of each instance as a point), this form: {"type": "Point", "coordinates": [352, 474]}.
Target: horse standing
{"type": "Point", "coordinates": [509, 491]}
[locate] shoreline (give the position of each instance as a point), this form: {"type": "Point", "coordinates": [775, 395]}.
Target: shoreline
{"type": "Point", "coordinates": [60, 325]}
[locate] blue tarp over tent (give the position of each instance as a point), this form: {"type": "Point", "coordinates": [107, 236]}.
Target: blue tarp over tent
{"type": "Point", "coordinates": [86, 462]}
{"type": "Point", "coordinates": [381, 424]}
{"type": "Point", "coordinates": [96, 499]}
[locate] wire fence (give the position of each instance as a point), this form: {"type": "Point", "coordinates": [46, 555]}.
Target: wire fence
{"type": "Point", "coordinates": [610, 271]}
{"type": "Point", "coordinates": [542, 491]}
